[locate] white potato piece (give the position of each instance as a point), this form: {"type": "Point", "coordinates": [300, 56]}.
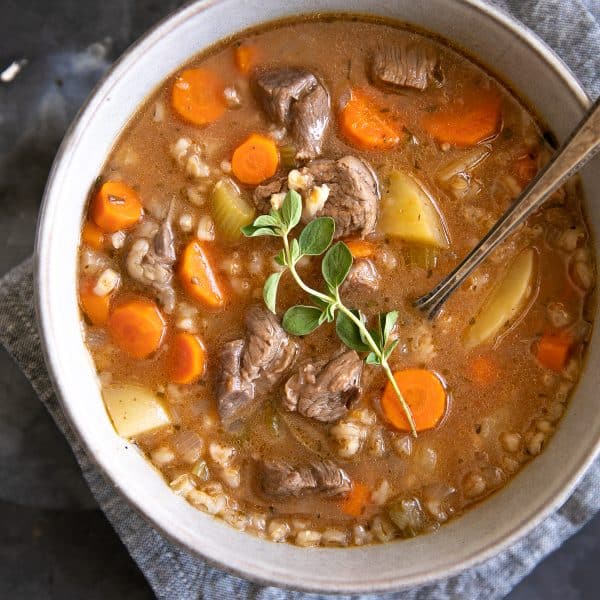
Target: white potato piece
{"type": "Point", "coordinates": [410, 213]}
{"type": "Point", "coordinates": [505, 302]}
{"type": "Point", "coordinates": [134, 409]}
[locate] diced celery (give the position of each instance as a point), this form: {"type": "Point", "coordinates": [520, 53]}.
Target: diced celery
{"type": "Point", "coordinates": [231, 211]}
{"type": "Point", "coordinates": [424, 257]}
{"type": "Point", "coordinates": [287, 156]}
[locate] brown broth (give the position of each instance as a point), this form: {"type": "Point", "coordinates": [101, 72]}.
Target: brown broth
{"type": "Point", "coordinates": [467, 447]}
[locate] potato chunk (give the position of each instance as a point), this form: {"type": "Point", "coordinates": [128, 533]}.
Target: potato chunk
{"type": "Point", "coordinates": [409, 213]}
{"type": "Point", "coordinates": [134, 409]}
{"type": "Point", "coordinates": [505, 302]}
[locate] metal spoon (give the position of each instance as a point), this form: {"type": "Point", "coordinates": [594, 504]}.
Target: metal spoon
{"type": "Point", "coordinates": [576, 151]}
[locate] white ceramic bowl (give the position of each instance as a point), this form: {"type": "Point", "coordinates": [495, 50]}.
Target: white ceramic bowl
{"type": "Point", "coordinates": [510, 51]}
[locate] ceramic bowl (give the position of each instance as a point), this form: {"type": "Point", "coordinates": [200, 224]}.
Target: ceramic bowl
{"type": "Point", "coordinates": [507, 49]}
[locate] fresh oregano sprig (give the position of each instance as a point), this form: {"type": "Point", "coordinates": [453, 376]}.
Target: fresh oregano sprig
{"type": "Point", "coordinates": [350, 324]}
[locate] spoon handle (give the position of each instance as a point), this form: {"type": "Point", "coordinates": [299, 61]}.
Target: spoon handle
{"type": "Point", "coordinates": [575, 152]}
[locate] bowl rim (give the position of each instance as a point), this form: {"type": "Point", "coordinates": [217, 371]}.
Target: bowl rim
{"type": "Point", "coordinates": [50, 196]}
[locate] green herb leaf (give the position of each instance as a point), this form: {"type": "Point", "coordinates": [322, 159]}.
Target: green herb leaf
{"type": "Point", "coordinates": [317, 236]}
{"type": "Point", "coordinates": [291, 209]}
{"type": "Point", "coordinates": [336, 265]}
{"type": "Point", "coordinates": [320, 303]}
{"type": "Point", "coordinates": [349, 332]}
{"type": "Point", "coordinates": [389, 320]}
{"type": "Point", "coordinates": [266, 221]}
{"type": "Point", "coordinates": [280, 259]}
{"type": "Point", "coordinates": [301, 320]}
{"type": "Point", "coordinates": [270, 290]}
{"type": "Point", "coordinates": [295, 251]}
{"type": "Point", "coordinates": [372, 359]}
{"type": "Point", "coordinates": [252, 231]}
{"type": "Point", "coordinates": [388, 351]}
{"type": "Point", "coordinates": [330, 311]}
{"type": "Point", "coordinates": [376, 335]}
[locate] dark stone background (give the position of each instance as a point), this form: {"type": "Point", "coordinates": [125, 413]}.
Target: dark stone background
{"type": "Point", "coordinates": [54, 542]}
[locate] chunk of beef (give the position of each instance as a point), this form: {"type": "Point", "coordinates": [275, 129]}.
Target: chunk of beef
{"type": "Point", "coordinates": [251, 366]}
{"type": "Point", "coordinates": [325, 391]}
{"type": "Point", "coordinates": [263, 192]}
{"type": "Point", "coordinates": [150, 262]}
{"type": "Point", "coordinates": [235, 393]}
{"type": "Point", "coordinates": [269, 351]}
{"type": "Point", "coordinates": [363, 277]}
{"type": "Point", "coordinates": [295, 98]}
{"type": "Point", "coordinates": [279, 478]}
{"type": "Point", "coordinates": [353, 193]}
{"type": "Point", "coordinates": [309, 122]}
{"type": "Point", "coordinates": [403, 64]}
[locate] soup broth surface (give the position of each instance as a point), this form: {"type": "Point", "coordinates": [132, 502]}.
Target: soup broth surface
{"type": "Point", "coordinates": [506, 351]}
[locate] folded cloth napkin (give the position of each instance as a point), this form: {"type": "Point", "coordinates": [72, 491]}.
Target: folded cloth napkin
{"type": "Point", "coordinates": [572, 29]}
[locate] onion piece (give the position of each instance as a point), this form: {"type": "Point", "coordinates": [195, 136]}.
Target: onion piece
{"type": "Point", "coordinates": [188, 445]}
{"type": "Point", "coordinates": [465, 163]}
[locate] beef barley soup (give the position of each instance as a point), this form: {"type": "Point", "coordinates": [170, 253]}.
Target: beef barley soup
{"type": "Point", "coordinates": [249, 259]}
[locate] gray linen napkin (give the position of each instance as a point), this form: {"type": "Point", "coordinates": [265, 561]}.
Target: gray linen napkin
{"type": "Point", "coordinates": [572, 29]}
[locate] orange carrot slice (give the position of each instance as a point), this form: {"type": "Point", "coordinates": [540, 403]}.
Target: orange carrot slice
{"type": "Point", "coordinates": [116, 206]}
{"type": "Point", "coordinates": [92, 235]}
{"type": "Point", "coordinates": [137, 327]}
{"type": "Point", "coordinates": [424, 394]}
{"type": "Point", "coordinates": [188, 358]}
{"type": "Point", "coordinates": [554, 350]}
{"type": "Point", "coordinates": [360, 248]}
{"type": "Point", "coordinates": [468, 120]}
{"type": "Point", "coordinates": [197, 96]}
{"type": "Point", "coordinates": [94, 307]}
{"type": "Point", "coordinates": [255, 159]}
{"type": "Point", "coordinates": [246, 57]}
{"type": "Point", "coordinates": [362, 123]}
{"type": "Point", "coordinates": [198, 277]}
{"type": "Point", "coordinates": [357, 500]}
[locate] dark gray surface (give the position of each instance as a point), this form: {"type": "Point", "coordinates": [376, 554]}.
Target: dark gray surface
{"type": "Point", "coordinates": [54, 543]}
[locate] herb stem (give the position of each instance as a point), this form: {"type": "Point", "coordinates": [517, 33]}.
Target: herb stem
{"type": "Point", "coordinates": [296, 276]}
{"type": "Point", "coordinates": [337, 301]}
{"type": "Point", "coordinates": [314, 241]}
{"type": "Point", "coordinates": [382, 359]}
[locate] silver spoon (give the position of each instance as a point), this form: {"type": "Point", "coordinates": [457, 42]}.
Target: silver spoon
{"type": "Point", "coordinates": [576, 151]}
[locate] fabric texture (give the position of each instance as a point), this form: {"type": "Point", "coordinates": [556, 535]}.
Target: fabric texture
{"type": "Point", "coordinates": [173, 573]}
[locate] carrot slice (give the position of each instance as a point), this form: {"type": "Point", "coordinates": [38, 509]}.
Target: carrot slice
{"type": "Point", "coordinates": [198, 277]}
{"type": "Point", "coordinates": [137, 327]}
{"type": "Point", "coordinates": [362, 123]}
{"type": "Point", "coordinates": [553, 350]}
{"type": "Point", "coordinates": [197, 96]}
{"type": "Point", "coordinates": [424, 394]}
{"type": "Point", "coordinates": [94, 307]}
{"type": "Point", "coordinates": [483, 371]}
{"type": "Point", "coordinates": [246, 57]}
{"type": "Point", "coordinates": [92, 235]}
{"type": "Point", "coordinates": [360, 248]}
{"type": "Point", "coordinates": [116, 206]}
{"type": "Point", "coordinates": [255, 159]}
{"type": "Point", "coordinates": [357, 500]}
{"type": "Point", "coordinates": [472, 118]}
{"type": "Point", "coordinates": [188, 358]}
